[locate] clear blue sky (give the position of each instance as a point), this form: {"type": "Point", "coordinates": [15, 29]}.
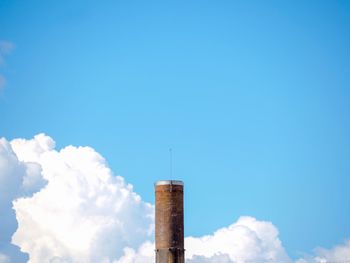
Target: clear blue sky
{"type": "Point", "coordinates": [253, 97]}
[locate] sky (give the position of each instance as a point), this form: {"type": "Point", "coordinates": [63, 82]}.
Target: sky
{"type": "Point", "coordinates": [253, 98]}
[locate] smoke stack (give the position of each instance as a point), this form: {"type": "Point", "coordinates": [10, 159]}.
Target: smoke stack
{"type": "Point", "coordinates": [169, 222]}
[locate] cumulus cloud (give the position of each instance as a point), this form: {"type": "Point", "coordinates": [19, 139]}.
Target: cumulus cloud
{"type": "Point", "coordinates": [17, 179]}
{"type": "Point", "coordinates": [84, 213]}
{"type": "Point", "coordinates": [339, 253]}
{"type": "Point", "coordinates": [71, 208]}
{"type": "Point", "coordinates": [144, 254]}
{"type": "Point", "coordinates": [247, 240]}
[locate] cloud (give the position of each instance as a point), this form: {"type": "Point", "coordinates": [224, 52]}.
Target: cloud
{"type": "Point", "coordinates": [213, 259]}
{"type": "Point", "coordinates": [71, 208]}
{"type": "Point", "coordinates": [247, 240]}
{"type": "Point", "coordinates": [84, 213]}
{"type": "Point", "coordinates": [339, 253]}
{"type": "Point", "coordinates": [17, 179]}
{"type": "Point", "coordinates": [144, 254]}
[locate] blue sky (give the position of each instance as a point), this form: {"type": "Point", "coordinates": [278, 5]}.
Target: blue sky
{"type": "Point", "coordinates": [252, 96]}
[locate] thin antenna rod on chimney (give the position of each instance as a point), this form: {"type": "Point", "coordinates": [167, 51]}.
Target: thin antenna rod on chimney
{"type": "Point", "coordinates": [171, 163]}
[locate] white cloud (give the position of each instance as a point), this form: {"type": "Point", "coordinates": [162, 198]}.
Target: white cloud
{"type": "Point", "coordinates": [213, 259]}
{"type": "Point", "coordinates": [72, 209]}
{"type": "Point", "coordinates": [144, 254]}
{"type": "Point", "coordinates": [17, 179]}
{"type": "Point", "coordinates": [84, 213]}
{"type": "Point", "coordinates": [32, 150]}
{"type": "Point", "coordinates": [247, 240]}
{"type": "Point", "coordinates": [339, 253]}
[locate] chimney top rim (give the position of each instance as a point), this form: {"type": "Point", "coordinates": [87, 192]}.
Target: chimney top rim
{"type": "Point", "coordinates": [168, 182]}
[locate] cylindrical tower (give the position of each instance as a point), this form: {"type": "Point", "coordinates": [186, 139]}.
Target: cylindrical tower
{"type": "Point", "coordinates": [169, 222]}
